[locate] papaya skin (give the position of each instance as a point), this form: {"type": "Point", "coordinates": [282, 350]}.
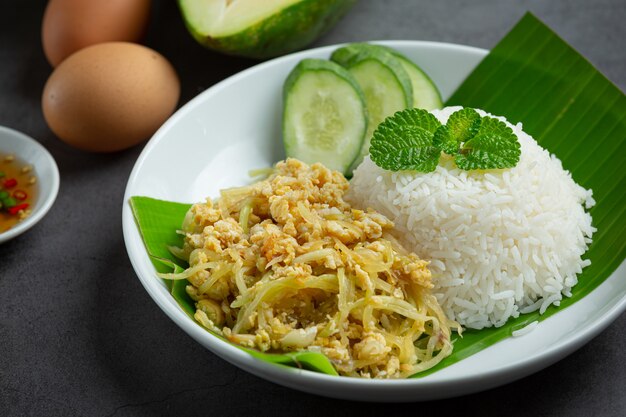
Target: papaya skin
{"type": "Point", "coordinates": [293, 28]}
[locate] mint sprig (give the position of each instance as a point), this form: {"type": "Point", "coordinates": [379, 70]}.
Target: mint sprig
{"type": "Point", "coordinates": [413, 139]}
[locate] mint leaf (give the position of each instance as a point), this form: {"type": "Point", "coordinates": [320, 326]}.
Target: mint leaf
{"type": "Point", "coordinates": [494, 146]}
{"type": "Point", "coordinates": [416, 117]}
{"type": "Point", "coordinates": [444, 140]}
{"type": "Point", "coordinates": [464, 124]}
{"type": "Point", "coordinates": [404, 141]}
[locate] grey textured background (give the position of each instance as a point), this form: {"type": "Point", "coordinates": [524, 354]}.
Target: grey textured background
{"type": "Point", "coordinates": [80, 336]}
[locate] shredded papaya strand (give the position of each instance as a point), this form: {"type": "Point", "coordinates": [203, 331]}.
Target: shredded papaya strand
{"type": "Point", "coordinates": [314, 256]}
{"type": "Point", "coordinates": [382, 285]}
{"type": "Point", "coordinates": [218, 272]}
{"type": "Point", "coordinates": [244, 215]}
{"type": "Point", "coordinates": [368, 318]}
{"type": "Point", "coordinates": [187, 272]}
{"type": "Point", "coordinates": [261, 172]}
{"type": "Point", "coordinates": [180, 253]}
{"type": "Point", "coordinates": [239, 279]}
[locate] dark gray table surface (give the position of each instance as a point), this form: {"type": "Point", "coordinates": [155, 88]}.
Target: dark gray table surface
{"type": "Point", "coordinates": [80, 336]}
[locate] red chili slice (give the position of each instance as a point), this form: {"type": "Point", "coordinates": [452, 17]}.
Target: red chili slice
{"type": "Point", "coordinates": [16, 209]}
{"type": "Point", "coordinates": [20, 194]}
{"type": "Point", "coordinates": [10, 183]}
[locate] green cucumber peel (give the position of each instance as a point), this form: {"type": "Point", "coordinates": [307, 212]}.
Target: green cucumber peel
{"type": "Point", "coordinates": [426, 95]}
{"type": "Point", "coordinates": [354, 54]}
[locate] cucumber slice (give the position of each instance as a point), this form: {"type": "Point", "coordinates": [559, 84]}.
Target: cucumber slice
{"type": "Point", "coordinates": [384, 81]}
{"type": "Point", "coordinates": [324, 115]}
{"type": "Point", "coordinates": [425, 93]}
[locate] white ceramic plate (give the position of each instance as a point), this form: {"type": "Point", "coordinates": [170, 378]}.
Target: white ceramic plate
{"type": "Point", "coordinates": [216, 138]}
{"type": "Point", "coordinates": [31, 151]}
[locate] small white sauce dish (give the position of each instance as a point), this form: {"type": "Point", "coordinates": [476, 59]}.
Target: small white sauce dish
{"type": "Point", "coordinates": [28, 149]}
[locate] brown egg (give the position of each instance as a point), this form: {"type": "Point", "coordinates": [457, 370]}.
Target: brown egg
{"type": "Point", "coordinates": [110, 96]}
{"type": "Point", "coordinates": [70, 25]}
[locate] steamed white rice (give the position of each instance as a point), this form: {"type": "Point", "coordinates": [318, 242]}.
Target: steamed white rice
{"type": "Point", "coordinates": [501, 242]}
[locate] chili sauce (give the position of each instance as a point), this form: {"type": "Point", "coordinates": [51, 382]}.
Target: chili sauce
{"type": "Point", "coordinates": [18, 190]}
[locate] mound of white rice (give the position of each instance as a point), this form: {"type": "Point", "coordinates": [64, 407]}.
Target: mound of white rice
{"type": "Point", "coordinates": [501, 242]}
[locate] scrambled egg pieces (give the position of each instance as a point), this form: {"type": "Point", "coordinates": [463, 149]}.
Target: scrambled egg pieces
{"type": "Point", "coordinates": [286, 264]}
